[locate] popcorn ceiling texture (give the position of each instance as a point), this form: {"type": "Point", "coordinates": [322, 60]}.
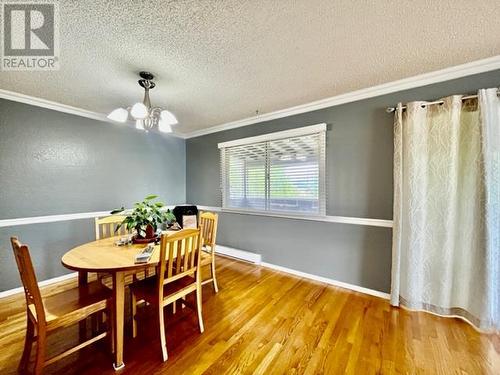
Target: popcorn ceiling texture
{"type": "Point", "coordinates": [220, 61]}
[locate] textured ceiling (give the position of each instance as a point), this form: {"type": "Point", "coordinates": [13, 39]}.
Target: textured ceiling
{"type": "Point", "coordinates": [219, 61]}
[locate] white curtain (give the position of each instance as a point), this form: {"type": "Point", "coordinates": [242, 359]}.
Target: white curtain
{"type": "Point", "coordinates": [446, 237]}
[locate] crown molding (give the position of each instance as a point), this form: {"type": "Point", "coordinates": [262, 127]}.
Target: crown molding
{"type": "Point", "coordinates": [458, 71]}
{"type": "Point", "coordinates": [55, 106]}
{"type": "Point", "coordinates": [442, 75]}
{"type": "Point", "coordinates": [59, 107]}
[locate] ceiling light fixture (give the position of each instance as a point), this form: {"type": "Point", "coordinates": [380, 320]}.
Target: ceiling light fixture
{"type": "Point", "coordinates": [146, 117]}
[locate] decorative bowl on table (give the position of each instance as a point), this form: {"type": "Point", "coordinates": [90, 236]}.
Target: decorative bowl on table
{"type": "Point", "coordinates": [139, 240]}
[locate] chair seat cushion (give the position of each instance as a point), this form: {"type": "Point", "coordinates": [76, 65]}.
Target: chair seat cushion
{"type": "Point", "coordinates": [147, 289]}
{"type": "Point", "coordinates": [64, 308]}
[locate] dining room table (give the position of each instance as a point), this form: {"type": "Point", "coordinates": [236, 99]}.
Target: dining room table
{"type": "Point", "coordinates": [105, 256]}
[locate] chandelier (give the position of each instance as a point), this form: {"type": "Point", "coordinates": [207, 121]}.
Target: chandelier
{"type": "Point", "coordinates": [146, 117]}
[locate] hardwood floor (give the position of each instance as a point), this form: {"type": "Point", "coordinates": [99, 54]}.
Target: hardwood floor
{"type": "Point", "coordinates": [268, 322]}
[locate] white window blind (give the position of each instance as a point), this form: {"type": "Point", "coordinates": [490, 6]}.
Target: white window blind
{"type": "Point", "coordinates": [277, 172]}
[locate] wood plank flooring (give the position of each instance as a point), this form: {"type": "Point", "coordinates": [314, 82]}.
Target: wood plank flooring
{"type": "Point", "coordinates": [267, 322]}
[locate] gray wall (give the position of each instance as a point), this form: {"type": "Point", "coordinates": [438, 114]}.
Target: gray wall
{"type": "Point", "coordinates": [359, 174]}
{"type": "Point", "coordinates": [56, 163]}
{"type": "Point", "coordinates": [48, 243]}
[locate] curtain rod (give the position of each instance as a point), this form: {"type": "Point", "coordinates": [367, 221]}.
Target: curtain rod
{"type": "Point", "coordinates": [392, 109]}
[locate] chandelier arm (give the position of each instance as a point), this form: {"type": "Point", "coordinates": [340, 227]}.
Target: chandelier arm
{"type": "Point", "coordinates": [153, 117]}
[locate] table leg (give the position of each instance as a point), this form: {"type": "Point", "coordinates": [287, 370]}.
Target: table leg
{"type": "Point", "coordinates": [83, 277]}
{"type": "Point", "coordinates": [119, 310]}
{"type": "Point", "coordinates": [82, 326]}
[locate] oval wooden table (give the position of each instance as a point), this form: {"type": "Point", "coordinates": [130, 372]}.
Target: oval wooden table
{"type": "Point", "coordinates": [106, 257]}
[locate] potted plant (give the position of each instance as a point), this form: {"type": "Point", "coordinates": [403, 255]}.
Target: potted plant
{"type": "Point", "coordinates": [145, 218]}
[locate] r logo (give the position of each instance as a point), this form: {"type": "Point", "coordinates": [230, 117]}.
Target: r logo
{"type": "Point", "coordinates": [29, 30]}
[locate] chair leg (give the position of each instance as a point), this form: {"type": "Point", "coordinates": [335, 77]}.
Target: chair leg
{"type": "Point", "coordinates": [134, 313]}
{"type": "Point", "coordinates": [163, 340]}
{"type": "Point", "coordinates": [198, 306]}
{"type": "Point", "coordinates": [40, 350]}
{"type": "Point", "coordinates": [214, 280]}
{"type": "Point", "coordinates": [28, 344]}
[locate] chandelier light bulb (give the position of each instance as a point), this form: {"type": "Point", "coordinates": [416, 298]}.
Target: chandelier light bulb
{"type": "Point", "coordinates": [118, 115]}
{"type": "Point", "coordinates": [147, 117]}
{"type": "Point", "coordinates": [139, 124]}
{"type": "Point", "coordinates": [164, 127]}
{"type": "Point", "coordinates": [168, 117]}
{"type": "Point", "coordinates": [139, 111]}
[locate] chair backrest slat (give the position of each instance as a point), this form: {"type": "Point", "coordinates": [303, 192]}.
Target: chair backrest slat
{"type": "Point", "coordinates": [179, 259]}
{"type": "Point", "coordinates": [106, 226]}
{"type": "Point", "coordinates": [185, 256]}
{"type": "Point", "coordinates": [179, 256]}
{"type": "Point", "coordinates": [209, 221]}
{"type": "Point", "coordinates": [171, 246]}
{"type": "Point", "coordinates": [28, 278]}
{"type": "Point", "coordinates": [193, 256]}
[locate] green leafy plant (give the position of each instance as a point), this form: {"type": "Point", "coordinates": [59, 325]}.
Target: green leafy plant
{"type": "Point", "coordinates": [147, 213]}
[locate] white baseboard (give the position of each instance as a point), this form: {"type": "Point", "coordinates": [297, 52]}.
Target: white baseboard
{"type": "Point", "coordinates": [257, 259]}
{"type": "Point", "coordinates": [54, 280]}
{"type": "Point", "coordinates": [238, 254]}
{"type": "Point", "coordinates": [326, 280]}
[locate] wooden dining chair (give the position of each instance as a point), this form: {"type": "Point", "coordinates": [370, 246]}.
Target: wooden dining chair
{"type": "Point", "coordinates": [105, 227]}
{"type": "Point", "coordinates": [178, 275]}
{"type": "Point", "coordinates": [46, 314]}
{"type": "Point", "coordinates": [209, 223]}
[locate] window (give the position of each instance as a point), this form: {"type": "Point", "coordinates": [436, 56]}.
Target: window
{"type": "Point", "coordinates": [281, 172]}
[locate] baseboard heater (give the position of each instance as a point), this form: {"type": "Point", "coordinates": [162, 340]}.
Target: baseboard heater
{"type": "Point", "coordinates": [238, 254]}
